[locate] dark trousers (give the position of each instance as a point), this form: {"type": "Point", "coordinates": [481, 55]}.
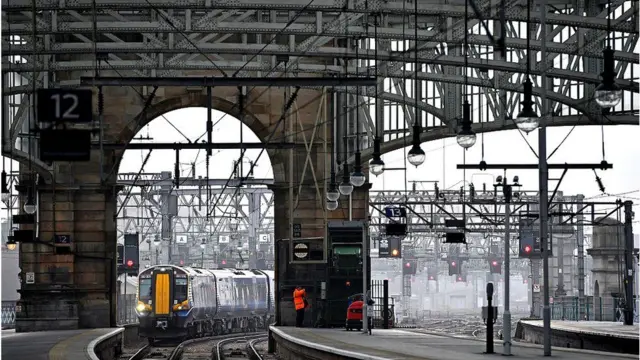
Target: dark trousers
{"type": "Point", "coordinates": [299, 317]}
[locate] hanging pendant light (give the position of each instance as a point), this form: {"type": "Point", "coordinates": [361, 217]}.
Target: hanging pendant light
{"type": "Point", "coordinates": [608, 94]}
{"type": "Point", "coordinates": [30, 205]}
{"type": "Point", "coordinates": [332, 205]}
{"type": "Point", "coordinates": [6, 195]}
{"type": "Point", "coordinates": [416, 155]}
{"type": "Point", "coordinates": [332, 193]}
{"type": "Point", "coordinates": [357, 176]}
{"type": "Point", "coordinates": [528, 119]}
{"type": "Point", "coordinates": [345, 187]}
{"type": "Point", "coordinates": [466, 137]}
{"type": "Point", "coordinates": [376, 165]}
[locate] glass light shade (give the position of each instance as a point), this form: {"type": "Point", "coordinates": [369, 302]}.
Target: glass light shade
{"type": "Point", "coordinates": [29, 208]}
{"type": "Point", "coordinates": [416, 156]}
{"type": "Point", "coordinates": [608, 96]}
{"type": "Point", "coordinates": [376, 168]}
{"type": "Point", "coordinates": [466, 139]}
{"type": "Point", "coordinates": [6, 196]}
{"type": "Point", "coordinates": [332, 193]}
{"type": "Point", "coordinates": [202, 246]}
{"type": "Point", "coordinates": [332, 205]}
{"type": "Point", "coordinates": [345, 188]}
{"type": "Point", "coordinates": [527, 120]}
{"type": "Point", "coordinates": [357, 178]}
{"type": "Point", "coordinates": [11, 246]}
{"type": "Point", "coordinates": [233, 226]}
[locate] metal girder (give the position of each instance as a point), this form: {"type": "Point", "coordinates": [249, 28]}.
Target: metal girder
{"type": "Point", "coordinates": [272, 49]}
{"type": "Point", "coordinates": [483, 214]}
{"type": "Point", "coordinates": [230, 81]}
{"type": "Point", "coordinates": [425, 8]}
{"type": "Point", "coordinates": [155, 180]}
{"type": "Point", "coordinates": [191, 146]}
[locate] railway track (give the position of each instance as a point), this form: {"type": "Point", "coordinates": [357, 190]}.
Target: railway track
{"type": "Point", "coordinates": [204, 348]}
{"type": "Point", "coordinates": [239, 348]}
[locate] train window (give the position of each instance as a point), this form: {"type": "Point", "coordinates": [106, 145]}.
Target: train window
{"type": "Point", "coordinates": [145, 289]}
{"type": "Point", "coordinates": [180, 290]}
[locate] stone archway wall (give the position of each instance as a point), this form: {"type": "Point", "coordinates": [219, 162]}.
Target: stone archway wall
{"type": "Point", "coordinates": [78, 289]}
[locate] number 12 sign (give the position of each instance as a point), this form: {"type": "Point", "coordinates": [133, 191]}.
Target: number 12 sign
{"type": "Point", "coordinates": [65, 105]}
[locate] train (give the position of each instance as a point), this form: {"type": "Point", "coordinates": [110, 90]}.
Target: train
{"type": "Point", "coordinates": [177, 302]}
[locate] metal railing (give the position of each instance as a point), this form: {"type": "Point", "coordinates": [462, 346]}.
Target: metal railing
{"type": "Point", "coordinates": [8, 314]}
{"type": "Point", "coordinates": [591, 309]}
{"type": "Point", "coordinates": [127, 309]}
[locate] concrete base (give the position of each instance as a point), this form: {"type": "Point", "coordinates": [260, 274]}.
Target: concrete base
{"type": "Point", "coordinates": [579, 335]}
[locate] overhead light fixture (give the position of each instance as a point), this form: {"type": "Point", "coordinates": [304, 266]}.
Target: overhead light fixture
{"type": "Point", "coordinates": [345, 187]}
{"type": "Point", "coordinates": [6, 195]}
{"type": "Point", "coordinates": [376, 165]}
{"type": "Point", "coordinates": [528, 119]}
{"type": "Point", "coordinates": [29, 205]}
{"type": "Point", "coordinates": [608, 94]}
{"type": "Point", "coordinates": [466, 137]}
{"type": "Point", "coordinates": [203, 244]}
{"type": "Point", "coordinates": [416, 155]}
{"type": "Point", "coordinates": [357, 176]}
{"type": "Point", "coordinates": [332, 193]}
{"type": "Point", "coordinates": [332, 205]}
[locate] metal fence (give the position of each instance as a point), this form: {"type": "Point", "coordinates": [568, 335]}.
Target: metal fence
{"type": "Point", "coordinates": [8, 314]}
{"type": "Point", "coordinates": [591, 309]}
{"type": "Point", "coordinates": [127, 309]}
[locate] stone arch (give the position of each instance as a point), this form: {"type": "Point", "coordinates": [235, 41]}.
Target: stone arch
{"type": "Point", "coordinates": [190, 100]}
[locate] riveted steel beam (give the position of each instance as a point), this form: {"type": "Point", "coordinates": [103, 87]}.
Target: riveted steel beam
{"type": "Point", "coordinates": [228, 81]}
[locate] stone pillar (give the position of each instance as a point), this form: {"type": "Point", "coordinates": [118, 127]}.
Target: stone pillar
{"type": "Point", "coordinates": [75, 286]}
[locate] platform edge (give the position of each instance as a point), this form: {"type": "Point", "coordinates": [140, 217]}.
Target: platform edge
{"type": "Point", "coordinates": [91, 348]}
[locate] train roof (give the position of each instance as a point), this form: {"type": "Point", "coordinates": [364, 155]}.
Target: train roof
{"type": "Point", "coordinates": [192, 271]}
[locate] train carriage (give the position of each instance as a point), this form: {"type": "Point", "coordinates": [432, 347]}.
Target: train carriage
{"type": "Point", "coordinates": [181, 302]}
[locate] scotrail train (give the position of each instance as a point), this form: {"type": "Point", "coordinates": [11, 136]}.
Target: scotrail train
{"type": "Point", "coordinates": [182, 302]}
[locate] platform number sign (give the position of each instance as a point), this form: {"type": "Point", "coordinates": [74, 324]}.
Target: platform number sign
{"type": "Point", "coordinates": [65, 105]}
{"type": "Point", "coordinates": [395, 212]}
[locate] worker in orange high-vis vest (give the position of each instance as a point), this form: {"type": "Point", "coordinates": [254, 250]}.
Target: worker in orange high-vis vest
{"type": "Point", "coordinates": [299, 300]}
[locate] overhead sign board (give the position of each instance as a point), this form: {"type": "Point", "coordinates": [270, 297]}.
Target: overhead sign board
{"type": "Point", "coordinates": [395, 212]}
{"type": "Point", "coordinates": [65, 105]}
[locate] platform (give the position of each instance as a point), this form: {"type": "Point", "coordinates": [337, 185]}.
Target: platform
{"type": "Point", "coordinates": [593, 335]}
{"type": "Point", "coordinates": [53, 345]}
{"type": "Point", "coordinates": [404, 344]}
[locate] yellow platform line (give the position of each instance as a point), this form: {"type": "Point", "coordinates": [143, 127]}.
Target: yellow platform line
{"type": "Point", "coordinates": [59, 351]}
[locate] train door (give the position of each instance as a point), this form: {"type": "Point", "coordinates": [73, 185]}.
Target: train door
{"type": "Point", "coordinates": [162, 280]}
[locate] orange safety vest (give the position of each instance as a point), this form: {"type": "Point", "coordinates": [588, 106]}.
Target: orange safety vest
{"type": "Point", "coordinates": [298, 298]}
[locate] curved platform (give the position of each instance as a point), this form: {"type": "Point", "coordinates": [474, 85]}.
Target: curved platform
{"type": "Point", "coordinates": [57, 345]}
{"type": "Point", "coordinates": [319, 344]}
{"type": "Point", "coordinates": [592, 335]}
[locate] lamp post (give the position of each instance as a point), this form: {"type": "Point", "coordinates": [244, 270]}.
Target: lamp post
{"type": "Point", "coordinates": [506, 316]}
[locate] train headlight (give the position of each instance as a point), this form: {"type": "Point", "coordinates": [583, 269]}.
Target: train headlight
{"type": "Point", "coordinates": [141, 307]}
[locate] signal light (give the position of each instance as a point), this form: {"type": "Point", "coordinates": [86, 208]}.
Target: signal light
{"type": "Point", "coordinates": [459, 278]}
{"type": "Point", "coordinates": [431, 277]}
{"type": "Point", "coordinates": [453, 263]}
{"type": "Point", "coordinates": [494, 263]}
{"type": "Point", "coordinates": [181, 262]}
{"type": "Point", "coordinates": [129, 263]}
{"type": "Point", "coordinates": [394, 252]}
{"type": "Point", "coordinates": [495, 266]}
{"type": "Point", "coordinates": [454, 269]}
{"type": "Point", "coordinates": [407, 265]}
{"type": "Point", "coordinates": [527, 249]}
{"type": "Point", "coordinates": [224, 262]}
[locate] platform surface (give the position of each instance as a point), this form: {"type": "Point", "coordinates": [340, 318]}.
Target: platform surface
{"type": "Point", "coordinates": [49, 345]}
{"type": "Point", "coordinates": [603, 328]}
{"type": "Point", "coordinates": [411, 345]}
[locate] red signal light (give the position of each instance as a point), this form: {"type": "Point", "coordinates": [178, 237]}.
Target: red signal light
{"type": "Point", "coordinates": [408, 265]}
{"type": "Point", "coordinates": [430, 277]}
{"type": "Point", "coordinates": [527, 249]}
{"type": "Point", "coordinates": [181, 262]}
{"type": "Point", "coordinates": [224, 262]}
{"type": "Point", "coordinates": [494, 263]}
{"type": "Point", "coordinates": [459, 278]}
{"type": "Point", "coordinates": [129, 263]}
{"type": "Point", "coordinates": [453, 263]}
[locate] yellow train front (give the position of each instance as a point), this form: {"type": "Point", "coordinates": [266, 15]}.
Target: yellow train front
{"type": "Point", "coordinates": [165, 304]}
